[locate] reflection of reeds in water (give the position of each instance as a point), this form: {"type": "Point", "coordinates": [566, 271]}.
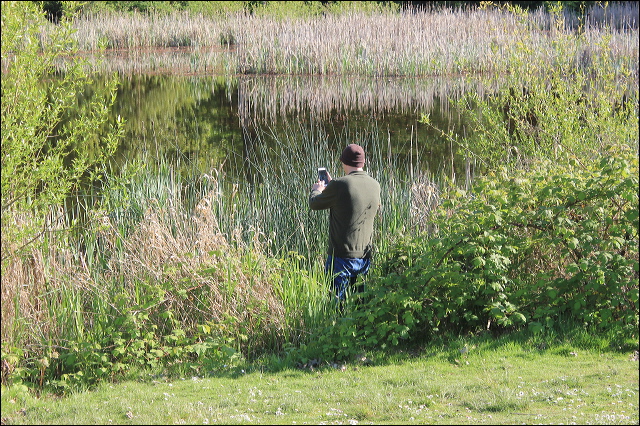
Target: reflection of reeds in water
{"type": "Point", "coordinates": [269, 97]}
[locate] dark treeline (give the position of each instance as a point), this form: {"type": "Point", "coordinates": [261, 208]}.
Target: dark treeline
{"type": "Point", "coordinates": [56, 9]}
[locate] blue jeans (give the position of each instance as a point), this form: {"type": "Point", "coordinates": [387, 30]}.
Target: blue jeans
{"type": "Point", "coordinates": [345, 272]}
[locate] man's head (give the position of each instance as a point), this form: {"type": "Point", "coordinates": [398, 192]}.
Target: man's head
{"type": "Point", "coordinates": [353, 155]}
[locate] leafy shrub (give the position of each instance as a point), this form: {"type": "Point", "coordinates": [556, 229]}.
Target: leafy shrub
{"type": "Point", "coordinates": [555, 242]}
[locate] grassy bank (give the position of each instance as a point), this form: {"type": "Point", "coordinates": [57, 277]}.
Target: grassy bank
{"type": "Point", "coordinates": [183, 276]}
{"type": "Point", "coordinates": [469, 380]}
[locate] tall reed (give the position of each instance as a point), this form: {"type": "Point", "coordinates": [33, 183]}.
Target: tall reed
{"type": "Point", "coordinates": [409, 43]}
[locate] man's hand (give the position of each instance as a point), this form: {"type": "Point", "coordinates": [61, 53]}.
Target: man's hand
{"type": "Point", "coordinates": [319, 185]}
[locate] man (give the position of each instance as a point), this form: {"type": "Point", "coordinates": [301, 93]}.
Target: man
{"type": "Point", "coordinates": [353, 202]}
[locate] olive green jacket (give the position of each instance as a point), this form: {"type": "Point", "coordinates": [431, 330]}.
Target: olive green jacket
{"type": "Point", "coordinates": [353, 202]}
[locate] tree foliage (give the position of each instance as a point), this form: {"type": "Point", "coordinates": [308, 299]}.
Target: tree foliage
{"type": "Point", "coordinates": [48, 144]}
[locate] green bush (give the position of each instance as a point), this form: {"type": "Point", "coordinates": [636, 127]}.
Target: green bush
{"type": "Point", "coordinates": [555, 242]}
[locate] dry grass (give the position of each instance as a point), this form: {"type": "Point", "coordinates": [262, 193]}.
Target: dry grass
{"type": "Point", "coordinates": [121, 31]}
{"type": "Point", "coordinates": [202, 275]}
{"type": "Point", "coordinates": [420, 43]}
{"type": "Point", "coordinates": [26, 281]}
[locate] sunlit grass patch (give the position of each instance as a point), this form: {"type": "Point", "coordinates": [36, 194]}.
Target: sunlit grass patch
{"type": "Point", "coordinates": [497, 386]}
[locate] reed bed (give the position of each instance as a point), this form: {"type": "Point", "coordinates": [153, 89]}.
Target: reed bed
{"type": "Point", "coordinates": [410, 191]}
{"type": "Point", "coordinates": [132, 31]}
{"type": "Point", "coordinates": [408, 43]}
{"type": "Point", "coordinates": [168, 259]}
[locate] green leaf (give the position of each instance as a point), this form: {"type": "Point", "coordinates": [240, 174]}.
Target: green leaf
{"type": "Point", "coordinates": [536, 327]}
{"type": "Point", "coordinates": [478, 262]}
{"type": "Point", "coordinates": [573, 243]}
{"type": "Point", "coordinates": [519, 318]}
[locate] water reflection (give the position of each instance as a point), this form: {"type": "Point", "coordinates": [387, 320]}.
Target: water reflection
{"type": "Point", "coordinates": [212, 122]}
{"type": "Point", "coordinates": [269, 97]}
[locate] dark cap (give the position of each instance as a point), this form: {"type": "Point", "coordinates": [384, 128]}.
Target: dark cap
{"type": "Point", "coordinates": [353, 155]}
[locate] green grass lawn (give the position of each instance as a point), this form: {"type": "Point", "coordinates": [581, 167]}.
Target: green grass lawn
{"type": "Point", "coordinates": [501, 383]}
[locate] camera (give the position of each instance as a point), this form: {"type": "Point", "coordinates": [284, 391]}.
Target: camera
{"type": "Point", "coordinates": [323, 176]}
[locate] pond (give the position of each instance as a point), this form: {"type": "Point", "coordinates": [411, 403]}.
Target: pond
{"type": "Point", "coordinates": [228, 124]}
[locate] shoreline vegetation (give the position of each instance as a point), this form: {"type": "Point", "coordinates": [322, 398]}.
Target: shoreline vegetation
{"type": "Point", "coordinates": [417, 43]}
{"type": "Point", "coordinates": [180, 275]}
